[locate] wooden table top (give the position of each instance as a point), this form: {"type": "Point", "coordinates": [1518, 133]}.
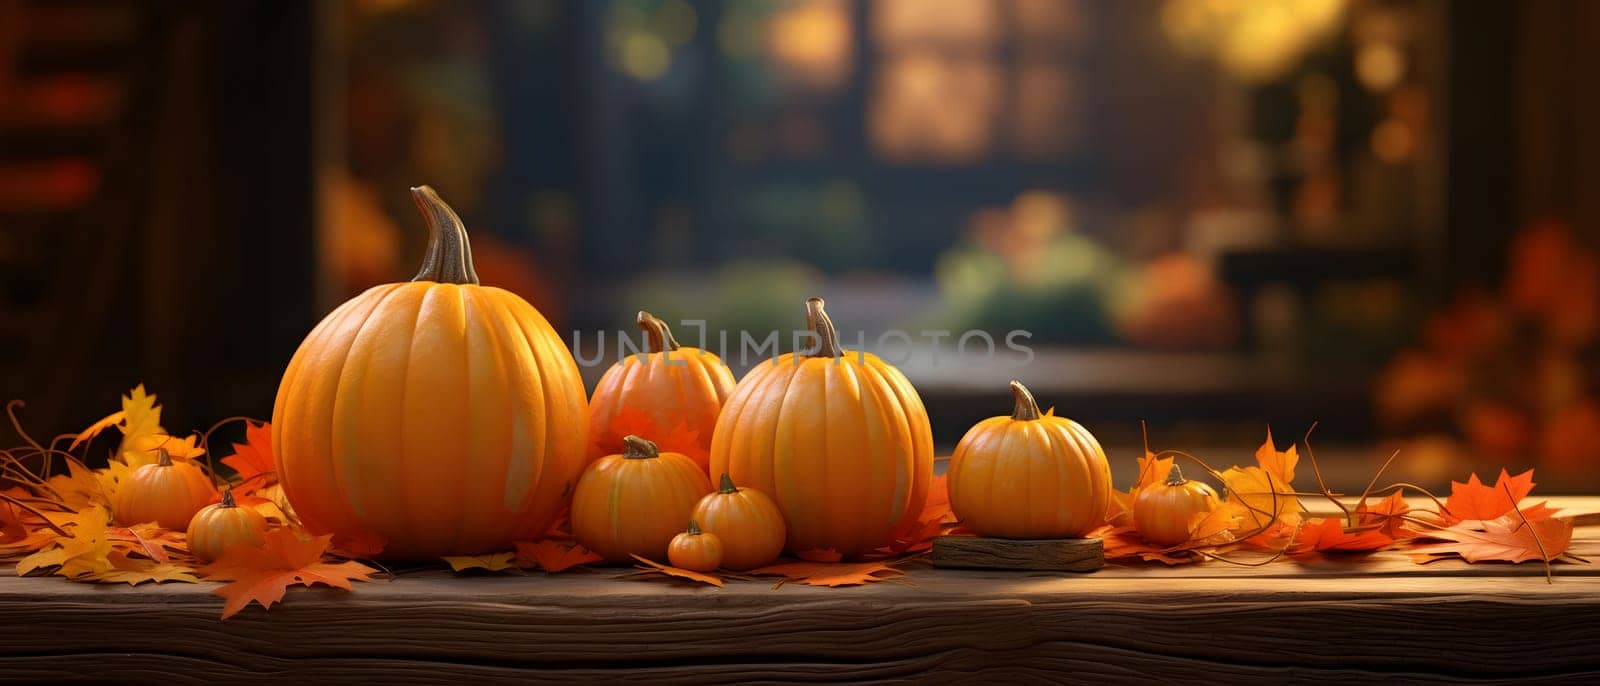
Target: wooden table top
{"type": "Point", "coordinates": [1380, 616]}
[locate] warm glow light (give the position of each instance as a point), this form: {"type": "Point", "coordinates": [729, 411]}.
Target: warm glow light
{"type": "Point", "coordinates": [811, 41]}
{"type": "Point", "coordinates": [1380, 66]}
{"type": "Point", "coordinates": [932, 107]}
{"type": "Point", "coordinates": [645, 56]}
{"type": "Point", "coordinates": [1392, 141]}
{"type": "Point", "coordinates": [1254, 40]}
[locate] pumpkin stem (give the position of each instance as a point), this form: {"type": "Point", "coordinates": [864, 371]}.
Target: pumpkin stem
{"type": "Point", "coordinates": [163, 458]}
{"type": "Point", "coordinates": [1026, 409]}
{"type": "Point", "coordinates": [827, 337]}
{"type": "Point", "coordinates": [448, 258]}
{"type": "Point", "coordinates": [727, 485]}
{"type": "Point", "coordinates": [658, 336]}
{"type": "Point", "coordinates": [694, 528]}
{"type": "Point", "coordinates": [1175, 477]}
{"type": "Point", "coordinates": [635, 448]}
{"type": "Point", "coordinates": [227, 499]}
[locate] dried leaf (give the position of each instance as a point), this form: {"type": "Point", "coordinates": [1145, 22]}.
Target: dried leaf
{"type": "Point", "coordinates": [1388, 514]}
{"type": "Point", "coordinates": [1125, 543]}
{"type": "Point", "coordinates": [133, 571]}
{"type": "Point", "coordinates": [825, 555]}
{"type": "Point", "coordinates": [1503, 539]}
{"type": "Point", "coordinates": [830, 574]}
{"type": "Point", "coordinates": [1267, 499]}
{"type": "Point", "coordinates": [94, 429]}
{"type": "Point", "coordinates": [497, 562]}
{"type": "Point", "coordinates": [1280, 464]}
{"type": "Point", "coordinates": [262, 574]}
{"type": "Point", "coordinates": [1328, 535]}
{"type": "Point", "coordinates": [634, 421]}
{"type": "Point", "coordinates": [1476, 500]}
{"type": "Point", "coordinates": [365, 544]}
{"type": "Point", "coordinates": [649, 566]}
{"type": "Point", "coordinates": [553, 555]}
{"type": "Point", "coordinates": [252, 459]}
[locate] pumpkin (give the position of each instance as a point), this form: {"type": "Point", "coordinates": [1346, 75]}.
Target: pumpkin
{"type": "Point", "coordinates": [167, 493]}
{"type": "Point", "coordinates": [695, 550]}
{"type": "Point", "coordinates": [1162, 512]}
{"type": "Point", "coordinates": [839, 439]}
{"type": "Point", "coordinates": [437, 416]}
{"type": "Point", "coordinates": [671, 384]}
{"type": "Point", "coordinates": [635, 502]}
{"type": "Point", "coordinates": [1029, 475]}
{"type": "Point", "coordinates": [217, 527]}
{"type": "Point", "coordinates": [748, 523]}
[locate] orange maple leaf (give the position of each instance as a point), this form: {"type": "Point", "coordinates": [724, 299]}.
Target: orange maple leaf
{"type": "Point", "coordinates": [262, 574]}
{"type": "Point", "coordinates": [1328, 535]}
{"type": "Point", "coordinates": [252, 459]}
{"type": "Point", "coordinates": [365, 544]}
{"type": "Point", "coordinates": [553, 555]}
{"type": "Point", "coordinates": [824, 555]}
{"type": "Point", "coordinates": [1280, 464]}
{"type": "Point", "coordinates": [1125, 543]}
{"type": "Point", "coordinates": [916, 535]}
{"type": "Point", "coordinates": [830, 574]}
{"type": "Point", "coordinates": [1389, 513]}
{"type": "Point", "coordinates": [635, 422]}
{"type": "Point", "coordinates": [649, 566]}
{"type": "Point", "coordinates": [1476, 500]}
{"type": "Point", "coordinates": [496, 562]}
{"type": "Point", "coordinates": [1503, 539]}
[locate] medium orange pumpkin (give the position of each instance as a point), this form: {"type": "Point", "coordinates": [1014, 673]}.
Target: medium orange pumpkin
{"type": "Point", "coordinates": [748, 523]}
{"type": "Point", "coordinates": [669, 383]}
{"type": "Point", "coordinates": [439, 416]}
{"type": "Point", "coordinates": [635, 502]}
{"type": "Point", "coordinates": [695, 550]}
{"type": "Point", "coordinates": [167, 493]}
{"type": "Point", "coordinates": [217, 527]}
{"type": "Point", "coordinates": [839, 439]}
{"type": "Point", "coordinates": [1029, 475]}
{"type": "Point", "coordinates": [1162, 512]}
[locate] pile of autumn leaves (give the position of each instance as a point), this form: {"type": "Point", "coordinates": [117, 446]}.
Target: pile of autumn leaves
{"type": "Point", "coordinates": [1263, 513]}
{"type": "Point", "coordinates": [56, 519]}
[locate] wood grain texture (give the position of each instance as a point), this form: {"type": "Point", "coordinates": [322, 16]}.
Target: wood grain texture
{"type": "Point", "coordinates": [1329, 620]}
{"type": "Point", "coordinates": [981, 552]}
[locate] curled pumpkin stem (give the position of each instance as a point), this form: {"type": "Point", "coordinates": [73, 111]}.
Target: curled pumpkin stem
{"type": "Point", "coordinates": [822, 326]}
{"type": "Point", "coordinates": [1026, 408]}
{"type": "Point", "coordinates": [658, 336]}
{"type": "Point", "coordinates": [448, 257]}
{"type": "Point", "coordinates": [637, 448]}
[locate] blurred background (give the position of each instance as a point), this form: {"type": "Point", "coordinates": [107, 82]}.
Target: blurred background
{"type": "Point", "coordinates": [1209, 214]}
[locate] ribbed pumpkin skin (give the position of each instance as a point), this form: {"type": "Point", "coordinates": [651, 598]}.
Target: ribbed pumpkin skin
{"type": "Point", "coordinates": [168, 495]}
{"type": "Point", "coordinates": [216, 527]}
{"type": "Point", "coordinates": [635, 506]}
{"type": "Point", "coordinates": [1162, 511]}
{"type": "Point", "coordinates": [695, 551]}
{"type": "Point", "coordinates": [447, 419]}
{"type": "Point", "coordinates": [748, 522]}
{"type": "Point", "coordinates": [841, 444]}
{"type": "Point", "coordinates": [1029, 478]}
{"type": "Point", "coordinates": [686, 386]}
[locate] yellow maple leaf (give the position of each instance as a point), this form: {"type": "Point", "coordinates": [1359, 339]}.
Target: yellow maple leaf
{"type": "Point", "coordinates": [134, 571]}
{"type": "Point", "coordinates": [1280, 464]}
{"type": "Point", "coordinates": [1266, 498]}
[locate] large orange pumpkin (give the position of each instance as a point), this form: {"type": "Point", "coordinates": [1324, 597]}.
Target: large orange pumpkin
{"type": "Point", "coordinates": [438, 416]}
{"type": "Point", "coordinates": [669, 383]}
{"type": "Point", "coordinates": [839, 439]}
{"type": "Point", "coordinates": [634, 503]}
{"type": "Point", "coordinates": [1029, 475]}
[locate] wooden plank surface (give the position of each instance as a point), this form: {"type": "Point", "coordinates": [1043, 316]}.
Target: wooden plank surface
{"type": "Point", "coordinates": [1328, 620]}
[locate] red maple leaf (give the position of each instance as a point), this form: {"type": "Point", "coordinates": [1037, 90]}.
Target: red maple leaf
{"type": "Point", "coordinates": [1388, 514]}
{"type": "Point", "coordinates": [916, 535]}
{"type": "Point", "coordinates": [553, 556]}
{"type": "Point", "coordinates": [1479, 501]}
{"type": "Point", "coordinates": [632, 421]}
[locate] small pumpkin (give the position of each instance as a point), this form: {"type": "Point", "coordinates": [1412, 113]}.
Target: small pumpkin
{"type": "Point", "coordinates": [167, 493]}
{"type": "Point", "coordinates": [1162, 512]}
{"type": "Point", "coordinates": [748, 523]}
{"type": "Point", "coordinates": [633, 503]}
{"type": "Point", "coordinates": [695, 550]}
{"type": "Point", "coordinates": [1029, 475]}
{"type": "Point", "coordinates": [838, 438]}
{"type": "Point", "coordinates": [439, 416]}
{"type": "Point", "coordinates": [217, 527]}
{"type": "Point", "coordinates": [669, 383]}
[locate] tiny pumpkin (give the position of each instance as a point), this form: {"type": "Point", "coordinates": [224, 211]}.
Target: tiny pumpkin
{"type": "Point", "coordinates": [838, 438]}
{"type": "Point", "coordinates": [670, 383]}
{"type": "Point", "coordinates": [215, 528]}
{"type": "Point", "coordinates": [632, 503]}
{"type": "Point", "coordinates": [1029, 475]}
{"type": "Point", "coordinates": [167, 493]}
{"type": "Point", "coordinates": [749, 524]}
{"type": "Point", "coordinates": [695, 550]}
{"type": "Point", "coordinates": [1162, 512]}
